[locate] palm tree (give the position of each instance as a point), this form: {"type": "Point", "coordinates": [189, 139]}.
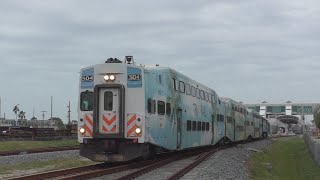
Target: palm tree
{"type": "Point", "coordinates": [22, 115]}
{"type": "Point", "coordinates": [16, 110]}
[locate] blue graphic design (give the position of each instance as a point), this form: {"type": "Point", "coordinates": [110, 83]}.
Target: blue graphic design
{"type": "Point", "coordinates": [134, 77]}
{"type": "Point", "coordinates": [87, 78]}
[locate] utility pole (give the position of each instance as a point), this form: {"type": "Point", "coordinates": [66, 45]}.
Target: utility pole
{"type": "Point", "coordinates": [51, 107]}
{"type": "Point", "coordinates": [0, 108]}
{"type": "Point", "coordinates": [69, 113]}
{"type": "Point", "coordinates": [43, 117]}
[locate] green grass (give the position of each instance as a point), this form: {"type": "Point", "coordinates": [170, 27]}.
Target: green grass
{"type": "Point", "coordinates": [47, 165]}
{"type": "Point", "coordinates": [25, 145]}
{"type": "Point", "coordinates": [285, 159]}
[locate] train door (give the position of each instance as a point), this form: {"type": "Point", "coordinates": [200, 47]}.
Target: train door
{"type": "Point", "coordinates": [179, 128]}
{"type": "Point", "coordinates": [109, 110]}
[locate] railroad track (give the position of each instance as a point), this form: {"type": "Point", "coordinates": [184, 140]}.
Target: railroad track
{"type": "Point", "coordinates": [140, 168]}
{"type": "Point", "coordinates": [38, 150]}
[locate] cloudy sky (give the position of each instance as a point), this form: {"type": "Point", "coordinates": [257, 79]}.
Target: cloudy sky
{"type": "Point", "coordinates": [249, 50]}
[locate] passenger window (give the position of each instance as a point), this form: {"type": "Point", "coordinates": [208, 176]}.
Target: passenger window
{"type": "Point", "coordinates": [181, 86]}
{"type": "Point", "coordinates": [188, 125]}
{"type": "Point", "coordinates": [151, 106]}
{"type": "Point", "coordinates": [203, 126]}
{"type": "Point", "coordinates": [188, 91]}
{"type": "Point", "coordinates": [193, 91]}
{"type": "Point", "coordinates": [207, 126]}
{"type": "Point", "coordinates": [209, 97]}
{"type": "Point", "coordinates": [206, 96]}
{"type": "Point", "coordinates": [199, 126]}
{"type": "Point", "coordinates": [194, 125]}
{"type": "Point", "coordinates": [202, 94]}
{"type": "Point", "coordinates": [161, 108]}
{"type": "Point", "coordinates": [221, 117]}
{"type": "Point", "coordinates": [86, 100]}
{"type": "Point", "coordinates": [198, 93]}
{"type": "Point", "coordinates": [213, 99]}
{"type": "Point", "coordinates": [168, 108]}
{"type": "Point", "coordinates": [175, 86]}
{"type": "Point", "coordinates": [108, 101]}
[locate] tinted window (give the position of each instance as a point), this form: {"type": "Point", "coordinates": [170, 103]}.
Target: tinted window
{"type": "Point", "coordinates": [194, 125]}
{"type": "Point", "coordinates": [168, 108]}
{"type": "Point", "coordinates": [193, 91]}
{"type": "Point", "coordinates": [161, 108]}
{"type": "Point", "coordinates": [203, 128]}
{"type": "Point", "coordinates": [182, 88]}
{"type": "Point", "coordinates": [209, 97]}
{"type": "Point", "coordinates": [202, 94]}
{"type": "Point", "coordinates": [188, 90]}
{"type": "Point", "coordinates": [207, 126]}
{"type": "Point", "coordinates": [188, 125]}
{"type": "Point", "coordinates": [175, 84]}
{"type": "Point", "coordinates": [206, 96]}
{"type": "Point", "coordinates": [199, 126]}
{"type": "Point", "coordinates": [151, 106]}
{"type": "Point", "coordinates": [108, 101]}
{"type": "Point", "coordinates": [198, 93]}
{"type": "Point", "coordinates": [86, 100]}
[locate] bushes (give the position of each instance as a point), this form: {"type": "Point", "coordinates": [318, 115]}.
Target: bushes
{"type": "Point", "coordinates": [317, 120]}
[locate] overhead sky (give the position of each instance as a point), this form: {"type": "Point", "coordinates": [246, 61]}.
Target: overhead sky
{"type": "Point", "coordinates": [249, 50]}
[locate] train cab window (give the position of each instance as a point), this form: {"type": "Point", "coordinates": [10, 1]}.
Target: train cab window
{"type": "Point", "coordinates": [203, 128]}
{"type": "Point", "coordinates": [108, 101]}
{"type": "Point", "coordinates": [86, 99]}
{"type": "Point", "coordinates": [198, 93]}
{"type": "Point", "coordinates": [181, 87]}
{"type": "Point", "coordinates": [188, 90]}
{"type": "Point", "coordinates": [175, 86]}
{"type": "Point", "coordinates": [193, 91]}
{"type": "Point", "coordinates": [161, 108]}
{"type": "Point", "coordinates": [207, 126]}
{"type": "Point", "coordinates": [194, 125]}
{"type": "Point", "coordinates": [199, 126]}
{"type": "Point", "coordinates": [168, 109]}
{"type": "Point", "coordinates": [188, 125]}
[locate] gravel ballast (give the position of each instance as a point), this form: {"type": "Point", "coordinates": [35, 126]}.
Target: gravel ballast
{"type": "Point", "coordinates": [25, 158]}
{"type": "Point", "coordinates": [227, 164]}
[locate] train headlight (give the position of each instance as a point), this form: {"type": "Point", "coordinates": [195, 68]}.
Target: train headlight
{"type": "Point", "coordinates": [82, 130]}
{"type": "Point", "coordinates": [106, 77]}
{"type": "Point", "coordinates": [112, 77]}
{"type": "Point", "coordinates": [138, 130]}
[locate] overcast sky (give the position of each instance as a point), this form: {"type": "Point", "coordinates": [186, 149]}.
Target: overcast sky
{"type": "Point", "coordinates": [249, 50]}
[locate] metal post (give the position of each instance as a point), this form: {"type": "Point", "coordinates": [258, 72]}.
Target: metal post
{"type": "Point", "coordinates": [69, 113]}
{"type": "Point", "coordinates": [43, 117]}
{"type": "Point", "coordinates": [51, 108]}
{"type": "Point", "coordinates": [0, 108]}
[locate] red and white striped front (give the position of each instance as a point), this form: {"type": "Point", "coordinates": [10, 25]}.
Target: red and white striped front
{"type": "Point", "coordinates": [134, 121]}
{"type": "Point", "coordinates": [109, 123]}
{"type": "Point", "coordinates": [88, 125]}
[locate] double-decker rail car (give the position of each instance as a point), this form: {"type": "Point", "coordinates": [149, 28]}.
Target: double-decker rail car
{"type": "Point", "coordinates": [128, 111]}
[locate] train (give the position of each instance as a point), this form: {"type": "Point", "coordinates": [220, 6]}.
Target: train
{"type": "Point", "coordinates": [128, 111]}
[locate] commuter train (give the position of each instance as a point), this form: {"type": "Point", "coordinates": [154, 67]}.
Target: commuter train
{"type": "Point", "coordinates": [127, 111]}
